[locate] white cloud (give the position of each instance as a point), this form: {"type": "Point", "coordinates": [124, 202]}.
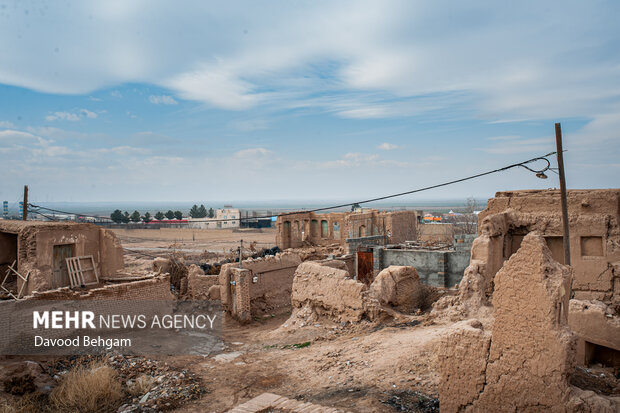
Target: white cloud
{"type": "Point", "coordinates": [15, 137]}
{"type": "Point", "coordinates": [214, 86]}
{"type": "Point", "coordinates": [252, 153]}
{"type": "Point", "coordinates": [71, 116]}
{"type": "Point", "coordinates": [385, 146]}
{"type": "Point", "coordinates": [88, 113]}
{"type": "Point", "coordinates": [163, 100]}
{"type": "Point", "coordinates": [62, 116]}
{"type": "Point", "coordinates": [6, 124]}
{"type": "Point", "coordinates": [529, 66]}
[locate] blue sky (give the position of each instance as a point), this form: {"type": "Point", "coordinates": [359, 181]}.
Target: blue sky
{"type": "Point", "coordinates": [317, 100]}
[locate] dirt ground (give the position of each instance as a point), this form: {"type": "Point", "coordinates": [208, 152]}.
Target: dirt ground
{"type": "Point", "coordinates": [197, 245]}
{"type": "Point", "coordinates": [360, 368]}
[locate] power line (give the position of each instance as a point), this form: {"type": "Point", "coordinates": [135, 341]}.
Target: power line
{"type": "Point", "coordinates": [381, 198]}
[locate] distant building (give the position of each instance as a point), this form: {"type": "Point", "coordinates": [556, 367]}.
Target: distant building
{"type": "Point", "coordinates": [224, 218]}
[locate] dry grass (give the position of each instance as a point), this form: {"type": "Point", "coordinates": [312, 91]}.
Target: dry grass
{"type": "Point", "coordinates": [142, 385]}
{"type": "Point", "coordinates": [25, 404]}
{"type": "Point", "coordinates": [91, 388]}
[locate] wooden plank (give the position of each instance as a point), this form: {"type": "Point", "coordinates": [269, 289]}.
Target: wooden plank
{"type": "Point", "coordinates": [72, 272]}
{"type": "Point", "coordinates": [80, 271]}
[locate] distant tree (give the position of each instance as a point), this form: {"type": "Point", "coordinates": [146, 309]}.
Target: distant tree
{"type": "Point", "coordinates": [193, 212]}
{"type": "Point", "coordinates": [355, 206]}
{"type": "Point", "coordinates": [159, 215]}
{"type": "Point", "coordinates": [147, 217]}
{"type": "Point", "coordinates": [211, 213]}
{"type": "Point", "coordinates": [202, 212]}
{"type": "Point", "coordinates": [117, 216]}
{"type": "Point", "coordinates": [178, 215]}
{"type": "Point", "coordinates": [170, 214]}
{"type": "Point", "coordinates": [135, 217]}
{"type": "Point", "coordinates": [126, 217]}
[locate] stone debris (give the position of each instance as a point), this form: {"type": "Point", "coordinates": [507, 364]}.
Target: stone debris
{"type": "Point", "coordinates": [168, 388]}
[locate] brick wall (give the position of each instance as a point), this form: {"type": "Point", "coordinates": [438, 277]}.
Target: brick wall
{"type": "Point", "coordinates": [157, 288]}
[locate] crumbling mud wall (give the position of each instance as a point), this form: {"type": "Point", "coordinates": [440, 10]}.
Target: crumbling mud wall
{"type": "Point", "coordinates": [524, 362]}
{"type": "Point", "coordinates": [295, 230]}
{"type": "Point", "coordinates": [35, 250]}
{"type": "Point", "coordinates": [594, 221]}
{"type": "Point", "coordinates": [156, 288]}
{"type": "Point", "coordinates": [521, 358]}
{"type": "Point", "coordinates": [326, 293]}
{"type": "Point", "coordinates": [268, 283]}
{"type": "Point", "coordinates": [400, 288]}
{"type": "Point", "coordinates": [201, 286]}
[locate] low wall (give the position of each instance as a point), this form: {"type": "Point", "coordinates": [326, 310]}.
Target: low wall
{"type": "Point", "coordinates": [328, 292]}
{"type": "Point", "coordinates": [198, 285]}
{"type": "Point", "coordinates": [269, 283]}
{"type": "Point", "coordinates": [436, 268]}
{"type": "Point", "coordinates": [353, 244]}
{"type": "Point", "coordinates": [157, 288]}
{"type": "Point", "coordinates": [435, 232]}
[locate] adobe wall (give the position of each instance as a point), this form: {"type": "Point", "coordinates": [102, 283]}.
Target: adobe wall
{"type": "Point", "coordinates": [199, 285]}
{"type": "Point", "coordinates": [435, 232]}
{"type": "Point", "coordinates": [295, 229]}
{"type": "Point", "coordinates": [324, 229]}
{"type": "Point", "coordinates": [36, 245]}
{"type": "Point", "coordinates": [325, 292]}
{"type": "Point", "coordinates": [156, 288]}
{"type": "Point", "coordinates": [269, 283]}
{"type": "Point", "coordinates": [594, 217]}
{"type": "Point", "coordinates": [8, 251]}
{"type": "Point", "coordinates": [523, 362]}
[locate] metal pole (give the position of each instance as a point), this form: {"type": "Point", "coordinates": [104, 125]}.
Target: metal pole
{"type": "Point", "coordinates": [559, 154]}
{"type": "Point", "coordinates": [240, 252]}
{"type": "Point", "coordinates": [25, 208]}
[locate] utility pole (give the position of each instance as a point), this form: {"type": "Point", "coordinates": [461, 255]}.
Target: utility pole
{"type": "Point", "coordinates": [559, 154]}
{"type": "Point", "coordinates": [240, 252]}
{"type": "Point", "coordinates": [25, 208]}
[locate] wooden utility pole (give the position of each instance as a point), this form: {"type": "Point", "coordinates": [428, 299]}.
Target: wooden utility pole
{"type": "Point", "coordinates": [559, 154]}
{"type": "Point", "coordinates": [25, 206]}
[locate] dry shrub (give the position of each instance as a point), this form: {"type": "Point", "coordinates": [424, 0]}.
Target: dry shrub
{"type": "Point", "coordinates": [28, 403]}
{"type": "Point", "coordinates": [178, 271]}
{"type": "Point", "coordinates": [142, 385]}
{"type": "Point", "coordinates": [90, 388]}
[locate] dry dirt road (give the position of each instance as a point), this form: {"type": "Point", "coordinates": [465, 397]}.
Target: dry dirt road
{"type": "Point", "coordinates": [362, 369]}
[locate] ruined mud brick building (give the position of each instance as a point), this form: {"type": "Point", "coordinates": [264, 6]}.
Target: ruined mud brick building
{"type": "Point", "coordinates": [40, 249]}
{"type": "Point", "coordinates": [257, 287]}
{"type": "Point", "coordinates": [594, 221]}
{"type": "Point", "coordinates": [293, 230]}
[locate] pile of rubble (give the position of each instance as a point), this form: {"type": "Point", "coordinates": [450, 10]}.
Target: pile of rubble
{"type": "Point", "coordinates": [150, 385]}
{"type": "Point", "coordinates": [325, 292]}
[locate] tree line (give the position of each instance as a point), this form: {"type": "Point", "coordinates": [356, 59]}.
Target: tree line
{"type": "Point", "coordinates": [125, 217]}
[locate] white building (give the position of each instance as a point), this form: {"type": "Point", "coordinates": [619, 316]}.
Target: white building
{"type": "Point", "coordinates": [224, 218]}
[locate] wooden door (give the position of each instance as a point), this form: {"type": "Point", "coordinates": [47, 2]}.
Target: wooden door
{"type": "Point", "coordinates": [60, 274]}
